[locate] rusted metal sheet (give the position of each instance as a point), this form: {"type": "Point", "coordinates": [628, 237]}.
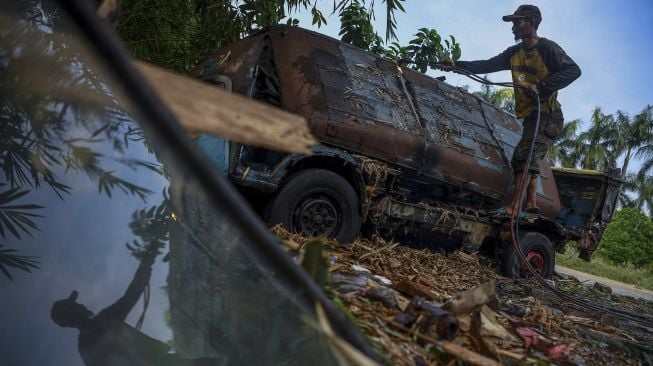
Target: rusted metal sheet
{"type": "Point", "coordinates": [336, 88]}
{"type": "Point", "coordinates": [298, 77]}
{"type": "Point", "coordinates": [451, 221]}
{"type": "Point", "coordinates": [236, 61]}
{"type": "Point", "coordinates": [371, 90]}
{"type": "Point", "coordinates": [460, 134]}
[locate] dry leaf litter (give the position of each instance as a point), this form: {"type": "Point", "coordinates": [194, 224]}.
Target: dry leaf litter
{"type": "Point", "coordinates": [420, 307]}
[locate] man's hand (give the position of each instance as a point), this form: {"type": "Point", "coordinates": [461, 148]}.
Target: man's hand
{"type": "Point", "coordinates": [532, 90]}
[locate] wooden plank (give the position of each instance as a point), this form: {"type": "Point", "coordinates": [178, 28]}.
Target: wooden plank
{"type": "Point", "coordinates": [201, 107]}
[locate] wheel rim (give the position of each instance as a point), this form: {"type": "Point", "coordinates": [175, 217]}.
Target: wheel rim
{"type": "Point", "coordinates": [317, 216]}
{"type": "Point", "coordinates": [536, 259]}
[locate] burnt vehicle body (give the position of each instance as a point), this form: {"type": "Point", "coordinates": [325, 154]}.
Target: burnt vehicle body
{"type": "Point", "coordinates": [417, 157]}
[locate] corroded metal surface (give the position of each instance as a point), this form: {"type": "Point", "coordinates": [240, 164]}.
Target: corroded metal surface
{"type": "Point", "coordinates": [236, 61]}
{"type": "Point", "coordinates": [588, 200]}
{"type": "Point", "coordinates": [452, 221]}
{"type": "Point", "coordinates": [334, 86]}
{"type": "Point", "coordinates": [357, 101]}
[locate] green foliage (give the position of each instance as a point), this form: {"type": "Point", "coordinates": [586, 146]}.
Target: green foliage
{"type": "Point", "coordinates": [628, 239]}
{"type": "Point", "coordinates": [426, 49]}
{"type": "Point", "coordinates": [177, 35]}
{"type": "Point", "coordinates": [564, 151]}
{"type": "Point", "coordinates": [395, 52]}
{"type": "Point", "coordinates": [643, 125]}
{"type": "Point", "coordinates": [642, 185]}
{"type": "Point", "coordinates": [318, 18]}
{"type": "Point", "coordinates": [356, 26]}
{"type": "Point", "coordinates": [423, 51]}
{"type": "Point", "coordinates": [391, 23]}
{"type": "Point", "coordinates": [609, 138]}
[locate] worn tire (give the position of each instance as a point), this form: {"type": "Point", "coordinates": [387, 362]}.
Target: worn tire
{"type": "Point", "coordinates": [538, 250]}
{"type": "Point", "coordinates": [317, 202]}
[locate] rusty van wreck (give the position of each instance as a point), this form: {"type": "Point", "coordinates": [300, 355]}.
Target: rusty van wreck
{"type": "Point", "coordinates": [402, 154]}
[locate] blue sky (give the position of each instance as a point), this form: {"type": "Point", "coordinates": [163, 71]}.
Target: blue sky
{"type": "Point", "coordinates": [611, 41]}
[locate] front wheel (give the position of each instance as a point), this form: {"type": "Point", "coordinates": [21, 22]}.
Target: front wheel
{"type": "Point", "coordinates": [538, 252]}
{"type": "Point", "coordinates": [317, 202]}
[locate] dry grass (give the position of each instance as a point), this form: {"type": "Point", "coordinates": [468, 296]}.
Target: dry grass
{"type": "Point", "coordinates": [441, 276]}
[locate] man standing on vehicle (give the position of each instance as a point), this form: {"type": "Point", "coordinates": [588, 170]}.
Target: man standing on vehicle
{"type": "Point", "coordinates": [542, 68]}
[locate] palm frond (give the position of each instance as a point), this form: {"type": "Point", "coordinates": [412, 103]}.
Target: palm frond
{"type": "Point", "coordinates": [108, 181]}
{"type": "Point", "coordinates": [16, 218]}
{"type": "Point", "coordinates": [8, 259]}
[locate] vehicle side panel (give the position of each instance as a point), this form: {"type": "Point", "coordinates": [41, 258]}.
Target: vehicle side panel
{"type": "Point", "coordinates": [236, 61]}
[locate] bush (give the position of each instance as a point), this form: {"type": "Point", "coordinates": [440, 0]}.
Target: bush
{"type": "Point", "coordinates": [628, 239]}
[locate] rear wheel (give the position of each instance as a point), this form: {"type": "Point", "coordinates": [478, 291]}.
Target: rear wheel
{"type": "Point", "coordinates": [539, 253]}
{"type": "Point", "coordinates": [317, 202]}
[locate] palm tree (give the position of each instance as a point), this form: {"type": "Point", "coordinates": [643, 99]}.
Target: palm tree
{"type": "Point", "coordinates": [565, 151]}
{"type": "Point", "coordinates": [645, 122]}
{"type": "Point", "coordinates": [595, 150]}
{"type": "Point", "coordinates": [500, 97]}
{"type": "Point", "coordinates": [631, 135]}
{"type": "Point", "coordinates": [646, 152]}
{"type": "Point", "coordinates": [642, 187]}
{"type": "Point", "coordinates": [628, 185]}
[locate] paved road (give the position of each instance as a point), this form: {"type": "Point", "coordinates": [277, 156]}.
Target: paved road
{"type": "Point", "coordinates": [617, 287]}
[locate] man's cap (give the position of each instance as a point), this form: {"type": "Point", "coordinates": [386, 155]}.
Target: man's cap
{"type": "Point", "coordinates": [525, 12]}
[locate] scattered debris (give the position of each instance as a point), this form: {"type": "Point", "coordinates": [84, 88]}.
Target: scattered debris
{"type": "Point", "coordinates": [603, 288]}
{"type": "Point", "coordinates": [422, 308]}
{"type": "Point", "coordinates": [359, 269]}
{"type": "Point", "coordinates": [382, 280]}
{"type": "Point", "coordinates": [466, 302]}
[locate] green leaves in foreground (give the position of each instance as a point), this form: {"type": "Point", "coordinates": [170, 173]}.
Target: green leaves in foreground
{"type": "Point", "coordinates": [422, 52]}
{"type": "Point", "coordinates": [427, 48]}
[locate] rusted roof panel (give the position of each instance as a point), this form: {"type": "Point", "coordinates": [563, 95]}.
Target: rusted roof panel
{"type": "Point", "coordinates": [358, 83]}
{"type": "Point", "coordinates": [236, 61]}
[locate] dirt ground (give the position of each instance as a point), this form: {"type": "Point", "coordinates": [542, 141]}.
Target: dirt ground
{"type": "Point", "coordinates": [418, 307]}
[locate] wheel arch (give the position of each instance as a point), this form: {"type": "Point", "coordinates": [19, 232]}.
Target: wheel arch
{"type": "Point", "coordinates": [339, 162]}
